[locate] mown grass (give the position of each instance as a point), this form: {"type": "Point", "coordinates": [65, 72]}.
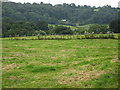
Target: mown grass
{"type": "Point", "coordinates": [60, 63]}
{"type": "Point", "coordinates": [86, 27]}
{"type": "Point", "coordinates": [72, 27]}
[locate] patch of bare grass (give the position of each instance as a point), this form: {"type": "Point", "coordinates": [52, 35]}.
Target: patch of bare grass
{"type": "Point", "coordinates": [91, 47]}
{"type": "Point", "coordinates": [31, 49]}
{"type": "Point", "coordinates": [9, 66]}
{"type": "Point", "coordinates": [16, 78]}
{"type": "Point", "coordinates": [17, 54]}
{"type": "Point", "coordinates": [12, 77]}
{"type": "Point", "coordinates": [115, 60]}
{"type": "Point", "coordinates": [78, 76]}
{"type": "Point", "coordinates": [20, 45]}
{"type": "Point", "coordinates": [54, 64]}
{"type": "Point", "coordinates": [52, 57]}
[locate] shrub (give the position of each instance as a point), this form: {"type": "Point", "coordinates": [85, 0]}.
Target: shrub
{"type": "Point", "coordinates": [97, 28]}
{"type": "Point", "coordinates": [39, 32]}
{"type": "Point", "coordinates": [62, 30]}
{"type": "Point", "coordinates": [115, 26]}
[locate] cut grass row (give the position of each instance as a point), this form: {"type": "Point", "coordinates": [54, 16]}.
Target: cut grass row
{"type": "Point", "coordinates": [67, 37]}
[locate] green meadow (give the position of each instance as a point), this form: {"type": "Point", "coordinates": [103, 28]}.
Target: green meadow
{"type": "Point", "coordinates": [84, 63]}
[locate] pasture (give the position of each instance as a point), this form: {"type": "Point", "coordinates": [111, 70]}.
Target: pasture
{"type": "Point", "coordinates": [85, 63]}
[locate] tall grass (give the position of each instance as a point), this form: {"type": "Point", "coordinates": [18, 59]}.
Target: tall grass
{"type": "Point", "coordinates": [68, 37]}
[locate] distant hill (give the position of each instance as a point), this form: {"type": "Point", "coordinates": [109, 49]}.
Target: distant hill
{"type": "Point", "coordinates": [68, 14]}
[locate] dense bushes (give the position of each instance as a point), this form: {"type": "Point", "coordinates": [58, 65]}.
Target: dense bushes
{"type": "Point", "coordinates": [115, 26]}
{"type": "Point", "coordinates": [97, 28]}
{"type": "Point", "coordinates": [62, 30]}
{"type": "Point", "coordinates": [22, 28]}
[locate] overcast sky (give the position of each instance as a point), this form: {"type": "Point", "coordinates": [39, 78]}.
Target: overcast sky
{"type": "Point", "coordinates": [113, 3]}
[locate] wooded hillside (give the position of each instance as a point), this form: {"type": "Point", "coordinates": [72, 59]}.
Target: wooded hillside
{"type": "Point", "coordinates": [60, 13]}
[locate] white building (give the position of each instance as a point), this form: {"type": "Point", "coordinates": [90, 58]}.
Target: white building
{"type": "Point", "coordinates": [63, 20]}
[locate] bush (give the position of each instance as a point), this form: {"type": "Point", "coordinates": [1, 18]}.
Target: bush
{"type": "Point", "coordinates": [115, 26]}
{"type": "Point", "coordinates": [40, 32]}
{"type": "Point", "coordinates": [97, 28]}
{"type": "Point", "coordinates": [80, 31]}
{"type": "Point", "coordinates": [62, 30]}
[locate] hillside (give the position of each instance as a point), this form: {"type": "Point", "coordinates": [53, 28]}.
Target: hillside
{"type": "Point", "coordinates": [59, 14]}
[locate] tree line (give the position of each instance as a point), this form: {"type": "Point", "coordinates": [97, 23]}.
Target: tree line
{"type": "Point", "coordinates": [24, 28]}
{"type": "Point", "coordinates": [60, 13]}
{"type": "Point", "coordinates": [12, 28]}
{"type": "Point", "coordinates": [33, 19]}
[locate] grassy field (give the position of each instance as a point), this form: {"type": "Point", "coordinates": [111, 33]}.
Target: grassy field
{"type": "Point", "coordinates": [72, 27]}
{"type": "Point", "coordinates": [86, 27]}
{"type": "Point", "coordinates": [60, 63]}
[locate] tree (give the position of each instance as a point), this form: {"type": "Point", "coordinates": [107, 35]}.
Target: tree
{"type": "Point", "coordinates": [97, 28]}
{"type": "Point", "coordinates": [13, 28]}
{"type": "Point", "coordinates": [62, 30]}
{"type": "Point", "coordinates": [115, 26]}
{"type": "Point", "coordinates": [42, 25]}
{"type": "Point", "coordinates": [53, 14]}
{"type": "Point", "coordinates": [39, 32]}
{"type": "Point", "coordinates": [7, 24]}
{"type": "Point", "coordinates": [41, 14]}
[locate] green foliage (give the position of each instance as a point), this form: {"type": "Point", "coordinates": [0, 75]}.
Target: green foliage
{"type": "Point", "coordinates": [24, 19]}
{"type": "Point", "coordinates": [54, 14]}
{"type": "Point", "coordinates": [80, 31]}
{"type": "Point", "coordinates": [62, 30]}
{"type": "Point", "coordinates": [39, 32]}
{"type": "Point", "coordinates": [6, 25]}
{"type": "Point", "coordinates": [115, 26]}
{"type": "Point", "coordinates": [68, 37]}
{"type": "Point", "coordinates": [42, 25]}
{"type": "Point", "coordinates": [23, 28]}
{"type": "Point", "coordinates": [51, 30]}
{"type": "Point", "coordinates": [97, 28]}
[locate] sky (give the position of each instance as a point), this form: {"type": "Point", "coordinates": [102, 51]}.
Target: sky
{"type": "Point", "coordinates": [113, 3]}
